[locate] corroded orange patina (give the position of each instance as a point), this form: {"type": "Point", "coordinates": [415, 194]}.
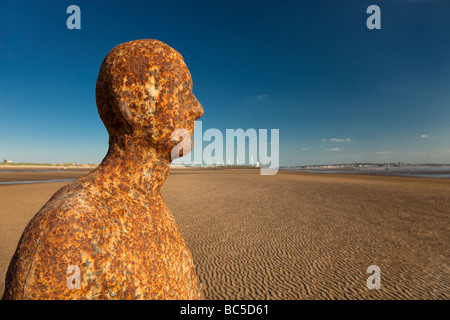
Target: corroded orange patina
{"type": "Point", "coordinates": [112, 224]}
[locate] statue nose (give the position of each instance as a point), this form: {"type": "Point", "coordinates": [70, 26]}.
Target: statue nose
{"type": "Point", "coordinates": [198, 109]}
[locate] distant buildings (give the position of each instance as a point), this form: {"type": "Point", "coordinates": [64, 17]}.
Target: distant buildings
{"type": "Point", "coordinates": [365, 165]}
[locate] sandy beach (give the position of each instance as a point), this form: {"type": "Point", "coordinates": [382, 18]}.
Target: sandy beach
{"type": "Point", "coordinates": [287, 236]}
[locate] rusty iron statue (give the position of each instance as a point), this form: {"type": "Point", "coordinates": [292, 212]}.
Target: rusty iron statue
{"type": "Point", "coordinates": [110, 235]}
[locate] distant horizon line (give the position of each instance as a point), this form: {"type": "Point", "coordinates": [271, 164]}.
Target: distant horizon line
{"type": "Point", "coordinates": [225, 165]}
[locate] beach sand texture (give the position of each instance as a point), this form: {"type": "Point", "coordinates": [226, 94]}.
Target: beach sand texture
{"type": "Point", "coordinates": [291, 235]}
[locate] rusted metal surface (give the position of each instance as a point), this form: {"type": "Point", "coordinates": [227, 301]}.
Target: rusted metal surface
{"type": "Point", "coordinates": [111, 229]}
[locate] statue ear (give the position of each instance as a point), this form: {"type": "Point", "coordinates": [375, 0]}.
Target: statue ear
{"type": "Point", "coordinates": [137, 106]}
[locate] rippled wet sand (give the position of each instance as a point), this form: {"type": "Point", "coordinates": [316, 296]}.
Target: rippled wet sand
{"type": "Point", "coordinates": [292, 235]}
{"type": "Point", "coordinates": [307, 236]}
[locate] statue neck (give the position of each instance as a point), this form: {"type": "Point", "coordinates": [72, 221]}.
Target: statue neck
{"type": "Point", "coordinates": [133, 165]}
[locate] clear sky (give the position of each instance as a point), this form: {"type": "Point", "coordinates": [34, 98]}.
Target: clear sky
{"type": "Point", "coordinates": [337, 91]}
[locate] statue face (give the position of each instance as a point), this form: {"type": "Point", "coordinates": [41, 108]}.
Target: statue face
{"type": "Point", "coordinates": [177, 108]}
{"type": "Point", "coordinates": [144, 89]}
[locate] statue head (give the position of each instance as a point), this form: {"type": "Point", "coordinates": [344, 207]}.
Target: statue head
{"type": "Point", "coordinates": [144, 91]}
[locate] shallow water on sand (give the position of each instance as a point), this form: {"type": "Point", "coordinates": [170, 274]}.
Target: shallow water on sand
{"type": "Point", "coordinates": [416, 172]}
{"type": "Point", "coordinates": [36, 181]}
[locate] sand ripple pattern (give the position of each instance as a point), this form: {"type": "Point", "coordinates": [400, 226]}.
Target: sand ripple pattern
{"type": "Point", "coordinates": [307, 237]}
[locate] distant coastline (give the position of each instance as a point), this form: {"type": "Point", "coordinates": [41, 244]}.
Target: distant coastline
{"type": "Point", "coordinates": [437, 171]}
{"type": "Point", "coordinates": [30, 167]}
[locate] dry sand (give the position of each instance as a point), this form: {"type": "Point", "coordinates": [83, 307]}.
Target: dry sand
{"type": "Point", "coordinates": [292, 235]}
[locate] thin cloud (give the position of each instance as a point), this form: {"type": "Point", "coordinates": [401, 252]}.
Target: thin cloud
{"type": "Point", "coordinates": [424, 136]}
{"type": "Point", "coordinates": [339, 140]}
{"type": "Point", "coordinates": [304, 149]}
{"type": "Point", "coordinates": [261, 97]}
{"type": "Point", "coordinates": [333, 149]}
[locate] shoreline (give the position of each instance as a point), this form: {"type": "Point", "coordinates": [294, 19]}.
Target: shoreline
{"type": "Point", "coordinates": [370, 176]}
{"type": "Point", "coordinates": [427, 174]}
{"type": "Point", "coordinates": [434, 172]}
{"type": "Point", "coordinates": [33, 174]}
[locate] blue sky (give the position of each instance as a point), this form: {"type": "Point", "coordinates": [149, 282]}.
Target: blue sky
{"type": "Point", "coordinates": [337, 91]}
